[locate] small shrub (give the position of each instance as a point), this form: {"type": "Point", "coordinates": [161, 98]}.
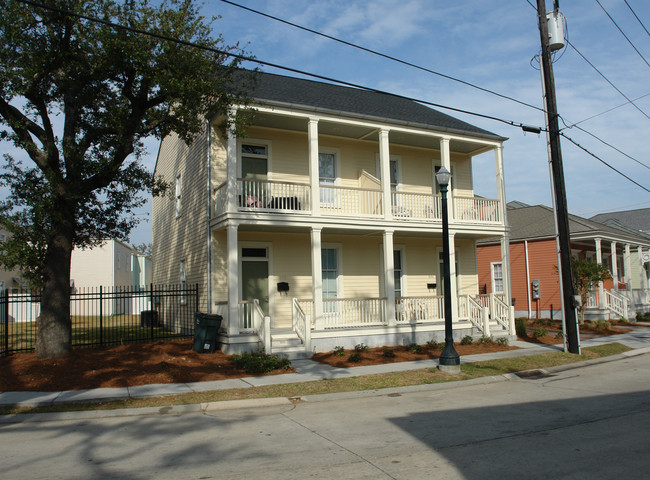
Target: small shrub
{"type": "Point", "coordinates": [436, 345]}
{"type": "Point", "coordinates": [643, 317]}
{"type": "Point", "coordinates": [485, 340]}
{"type": "Point", "coordinates": [540, 332]}
{"type": "Point", "coordinates": [260, 362]}
{"type": "Point", "coordinates": [501, 341]}
{"type": "Point", "coordinates": [623, 320]}
{"type": "Point", "coordinates": [339, 351]}
{"type": "Point", "coordinates": [388, 353]}
{"type": "Point", "coordinates": [602, 325]}
{"type": "Point", "coordinates": [415, 348]}
{"type": "Point", "coordinates": [466, 340]}
{"type": "Point", "coordinates": [520, 327]}
{"type": "Point", "coordinates": [355, 357]}
{"type": "Point", "coordinates": [559, 335]}
{"type": "Point", "coordinates": [360, 347]}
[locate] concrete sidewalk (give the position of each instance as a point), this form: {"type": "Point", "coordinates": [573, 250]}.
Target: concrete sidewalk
{"type": "Point", "coordinates": [306, 371]}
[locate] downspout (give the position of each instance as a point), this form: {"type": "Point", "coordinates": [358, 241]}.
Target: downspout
{"type": "Point", "coordinates": [527, 279]}
{"type": "Point", "coordinates": [209, 207]}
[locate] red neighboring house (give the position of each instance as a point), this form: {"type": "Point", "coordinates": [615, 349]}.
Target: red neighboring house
{"type": "Point", "coordinates": [533, 265]}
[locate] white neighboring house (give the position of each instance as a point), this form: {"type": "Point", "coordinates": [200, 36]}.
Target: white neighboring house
{"type": "Point", "coordinates": [114, 266]}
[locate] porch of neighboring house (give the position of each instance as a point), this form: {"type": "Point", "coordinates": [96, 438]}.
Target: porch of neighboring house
{"type": "Point", "coordinates": [623, 295]}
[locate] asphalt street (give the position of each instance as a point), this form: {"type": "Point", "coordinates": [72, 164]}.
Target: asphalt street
{"type": "Point", "coordinates": [590, 422]}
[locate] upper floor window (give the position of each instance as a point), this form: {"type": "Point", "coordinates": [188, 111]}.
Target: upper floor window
{"type": "Point", "coordinates": [178, 195]}
{"type": "Point", "coordinates": [254, 161]}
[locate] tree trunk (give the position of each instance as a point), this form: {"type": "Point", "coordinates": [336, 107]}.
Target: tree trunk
{"type": "Point", "coordinates": [54, 333]}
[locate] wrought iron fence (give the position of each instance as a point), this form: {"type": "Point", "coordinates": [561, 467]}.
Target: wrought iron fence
{"type": "Point", "coordinates": [104, 316]}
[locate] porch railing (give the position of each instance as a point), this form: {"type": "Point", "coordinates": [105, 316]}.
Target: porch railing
{"type": "Point", "coordinates": [415, 206]}
{"type": "Point", "coordinates": [617, 303]}
{"type": "Point", "coordinates": [473, 311]}
{"type": "Point", "coordinates": [419, 309]}
{"type": "Point", "coordinates": [475, 209]}
{"type": "Point", "coordinates": [250, 316]}
{"type": "Point", "coordinates": [301, 323]}
{"type": "Point", "coordinates": [350, 201]}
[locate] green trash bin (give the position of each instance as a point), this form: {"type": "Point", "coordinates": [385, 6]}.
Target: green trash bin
{"type": "Point", "coordinates": [206, 327]}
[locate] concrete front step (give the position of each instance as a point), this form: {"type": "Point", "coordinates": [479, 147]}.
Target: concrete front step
{"type": "Point", "coordinates": [287, 344]}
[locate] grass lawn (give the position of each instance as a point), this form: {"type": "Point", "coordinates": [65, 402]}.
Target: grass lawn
{"type": "Point", "coordinates": [368, 382]}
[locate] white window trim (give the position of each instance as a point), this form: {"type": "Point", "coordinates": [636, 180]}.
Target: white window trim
{"type": "Point", "coordinates": [339, 267]}
{"type": "Point", "coordinates": [178, 195]}
{"type": "Point", "coordinates": [183, 281]}
{"type": "Point", "coordinates": [257, 142]}
{"type": "Point", "coordinates": [402, 250]}
{"type": "Point", "coordinates": [337, 163]}
{"type": "Point", "coordinates": [493, 290]}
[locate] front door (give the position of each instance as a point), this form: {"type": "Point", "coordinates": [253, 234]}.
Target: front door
{"type": "Point", "coordinates": [255, 276]}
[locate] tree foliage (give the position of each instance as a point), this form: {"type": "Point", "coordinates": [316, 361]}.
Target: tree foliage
{"type": "Point", "coordinates": [78, 96]}
{"type": "Point", "coordinates": [586, 275]}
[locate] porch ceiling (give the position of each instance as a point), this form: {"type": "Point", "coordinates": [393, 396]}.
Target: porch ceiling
{"type": "Point", "coordinates": [363, 132]}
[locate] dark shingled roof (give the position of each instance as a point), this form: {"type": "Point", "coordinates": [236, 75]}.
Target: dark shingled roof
{"type": "Point", "coordinates": [638, 219]}
{"type": "Point", "coordinates": [310, 94]}
{"type": "Point", "coordinates": [537, 222]}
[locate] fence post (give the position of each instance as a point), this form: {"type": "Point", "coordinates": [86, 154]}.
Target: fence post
{"type": "Point", "coordinates": [5, 309]}
{"type": "Point", "coordinates": [101, 316]}
{"type": "Point", "coordinates": [151, 306]}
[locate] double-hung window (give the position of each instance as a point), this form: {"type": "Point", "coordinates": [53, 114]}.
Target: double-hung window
{"type": "Point", "coordinates": [497, 277]}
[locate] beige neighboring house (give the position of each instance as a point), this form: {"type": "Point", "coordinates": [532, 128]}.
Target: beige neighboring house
{"type": "Point", "coordinates": [323, 225]}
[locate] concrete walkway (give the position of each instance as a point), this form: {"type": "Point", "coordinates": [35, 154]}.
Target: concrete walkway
{"type": "Point", "coordinates": [306, 371]}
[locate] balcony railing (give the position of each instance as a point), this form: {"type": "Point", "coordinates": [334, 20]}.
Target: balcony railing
{"type": "Point", "coordinates": [416, 206]}
{"type": "Point", "coordinates": [350, 201]}
{"type": "Point", "coordinates": [268, 196]}
{"type": "Point", "coordinates": [475, 209]}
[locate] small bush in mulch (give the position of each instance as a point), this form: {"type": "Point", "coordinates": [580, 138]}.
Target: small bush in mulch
{"type": "Point", "coordinates": [260, 362]}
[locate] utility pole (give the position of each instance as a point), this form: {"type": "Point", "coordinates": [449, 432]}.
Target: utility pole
{"type": "Point", "coordinates": [562, 217]}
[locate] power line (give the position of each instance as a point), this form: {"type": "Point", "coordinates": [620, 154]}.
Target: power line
{"type": "Point", "coordinates": [637, 17]}
{"type": "Point", "coordinates": [623, 33]}
{"type": "Point", "coordinates": [268, 64]}
{"type": "Point", "coordinates": [603, 161]}
{"type": "Point", "coordinates": [374, 52]}
{"type": "Point", "coordinates": [612, 146]}
{"type": "Point", "coordinates": [607, 80]}
{"type": "Point", "coordinates": [261, 62]}
{"type": "Point", "coordinates": [606, 111]}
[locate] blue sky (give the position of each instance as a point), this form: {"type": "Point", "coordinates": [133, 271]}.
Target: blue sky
{"type": "Point", "coordinates": [490, 44]}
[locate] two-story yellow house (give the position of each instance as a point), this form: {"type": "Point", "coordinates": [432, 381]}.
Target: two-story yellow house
{"type": "Point", "coordinates": [322, 227]}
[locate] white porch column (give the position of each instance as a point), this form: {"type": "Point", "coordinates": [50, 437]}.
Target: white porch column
{"type": "Point", "coordinates": [384, 166]}
{"type": "Point", "coordinates": [312, 135]}
{"type": "Point", "coordinates": [601, 288]}
{"type": "Point", "coordinates": [317, 277]}
{"type": "Point", "coordinates": [445, 160]}
{"type": "Point", "coordinates": [501, 186]}
{"type": "Point", "coordinates": [614, 265]}
{"type": "Point", "coordinates": [627, 266]}
{"type": "Point", "coordinates": [233, 280]}
{"type": "Point", "coordinates": [642, 279]}
{"type": "Point", "coordinates": [505, 240]}
{"type": "Point", "coordinates": [454, 279]}
{"type": "Point", "coordinates": [231, 166]}
{"type": "Point", "coordinates": [389, 277]}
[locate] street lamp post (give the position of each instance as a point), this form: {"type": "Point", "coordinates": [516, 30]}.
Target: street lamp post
{"type": "Point", "coordinates": [449, 361]}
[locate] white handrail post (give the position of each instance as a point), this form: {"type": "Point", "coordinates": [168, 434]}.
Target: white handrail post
{"type": "Point", "coordinates": [267, 335]}
{"type": "Point", "coordinates": [512, 321]}
{"type": "Point", "coordinates": [307, 333]}
{"type": "Point", "coordinates": [486, 321]}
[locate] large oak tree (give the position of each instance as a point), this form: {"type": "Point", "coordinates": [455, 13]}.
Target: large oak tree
{"type": "Point", "coordinates": [79, 96]}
